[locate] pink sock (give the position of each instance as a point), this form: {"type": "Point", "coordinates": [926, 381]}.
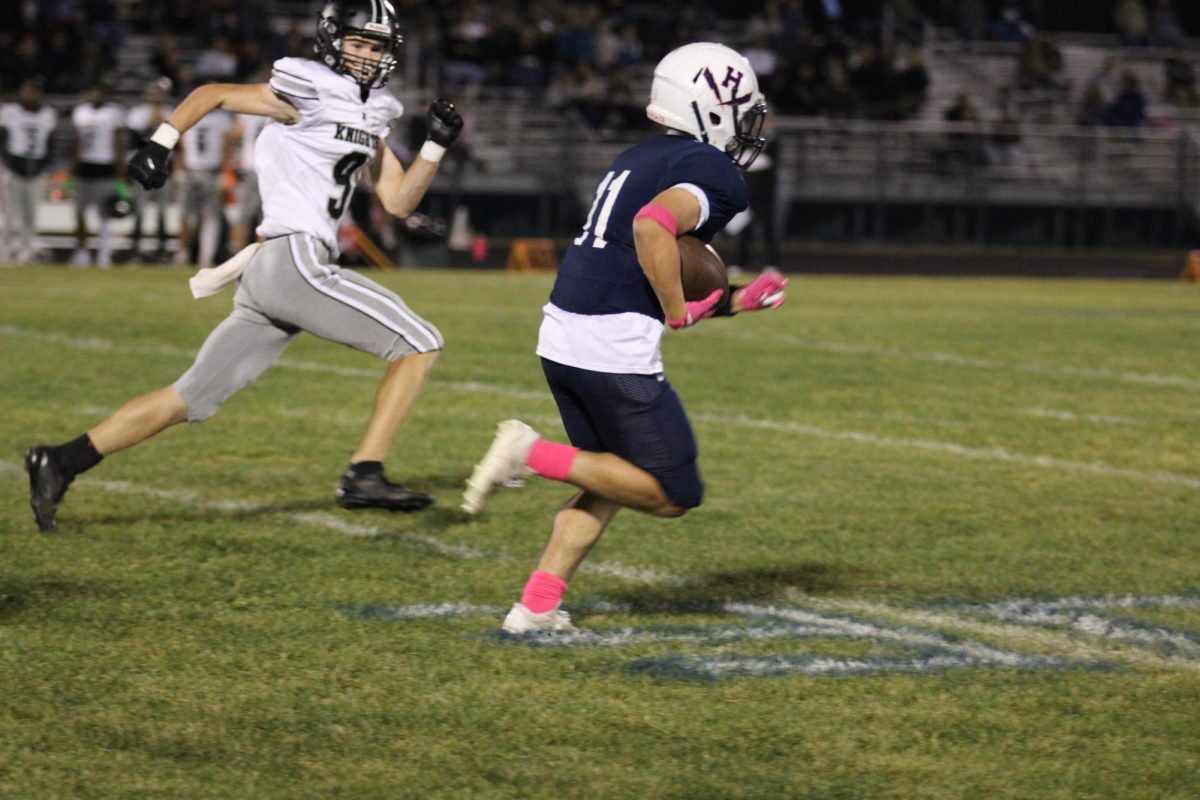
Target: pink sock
{"type": "Point", "coordinates": [543, 592]}
{"type": "Point", "coordinates": [551, 459]}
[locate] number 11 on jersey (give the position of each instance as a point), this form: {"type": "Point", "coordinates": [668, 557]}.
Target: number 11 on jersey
{"type": "Point", "coordinates": [608, 190]}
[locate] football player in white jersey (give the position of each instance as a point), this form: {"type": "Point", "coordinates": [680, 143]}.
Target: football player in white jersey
{"type": "Point", "coordinates": [25, 128]}
{"type": "Point", "coordinates": [249, 201]}
{"type": "Point", "coordinates": [142, 122]}
{"type": "Point", "coordinates": [205, 152]}
{"type": "Point", "coordinates": [99, 162]}
{"type": "Point", "coordinates": [329, 121]}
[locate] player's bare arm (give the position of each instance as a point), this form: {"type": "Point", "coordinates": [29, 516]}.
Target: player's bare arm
{"type": "Point", "coordinates": [150, 165]}
{"type": "Point", "coordinates": [254, 98]}
{"type": "Point", "coordinates": [657, 250]}
{"type": "Point", "coordinates": [399, 190]}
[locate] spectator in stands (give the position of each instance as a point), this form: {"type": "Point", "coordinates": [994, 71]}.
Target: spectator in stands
{"type": "Point", "coordinates": [762, 57]}
{"type": "Point", "coordinates": [218, 62]}
{"type": "Point", "coordinates": [576, 39]}
{"type": "Point", "coordinates": [1133, 27]}
{"type": "Point", "coordinates": [971, 20]}
{"type": "Point", "coordinates": [1165, 30]}
{"type": "Point", "coordinates": [25, 64]}
{"type": "Point", "coordinates": [1040, 65]}
{"type": "Point", "coordinates": [837, 99]}
{"type": "Point", "coordinates": [911, 84]}
{"type": "Point", "coordinates": [871, 79]}
{"type": "Point", "coordinates": [630, 51]}
{"type": "Point", "coordinates": [903, 23]}
{"type": "Point", "coordinates": [1005, 145]}
{"type": "Point", "coordinates": [1012, 26]}
{"type": "Point", "coordinates": [167, 62]}
{"type": "Point", "coordinates": [463, 47]}
{"type": "Point", "coordinates": [1181, 80]}
{"type": "Point", "coordinates": [1128, 110]}
{"type": "Point", "coordinates": [965, 146]}
{"type": "Point", "coordinates": [1101, 91]}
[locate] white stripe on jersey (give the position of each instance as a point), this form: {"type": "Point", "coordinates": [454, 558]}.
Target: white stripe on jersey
{"type": "Point", "coordinates": [340, 289]}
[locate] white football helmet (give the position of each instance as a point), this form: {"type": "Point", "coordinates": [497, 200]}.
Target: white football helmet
{"type": "Point", "coordinates": [710, 92]}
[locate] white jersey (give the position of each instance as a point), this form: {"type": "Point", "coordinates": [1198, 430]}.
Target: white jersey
{"type": "Point", "coordinates": [307, 171]}
{"type": "Point", "coordinates": [252, 126]}
{"type": "Point", "coordinates": [96, 127]}
{"type": "Point", "coordinates": [28, 131]}
{"type": "Point", "coordinates": [145, 119]}
{"type": "Point", "coordinates": [204, 143]}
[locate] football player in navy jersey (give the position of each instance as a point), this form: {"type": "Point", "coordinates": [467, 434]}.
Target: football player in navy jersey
{"type": "Point", "coordinates": [617, 289]}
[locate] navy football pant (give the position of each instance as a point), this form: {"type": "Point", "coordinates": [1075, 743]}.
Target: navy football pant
{"type": "Point", "coordinates": [637, 417]}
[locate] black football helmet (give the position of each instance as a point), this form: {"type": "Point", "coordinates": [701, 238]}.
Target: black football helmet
{"type": "Point", "coordinates": [369, 19]}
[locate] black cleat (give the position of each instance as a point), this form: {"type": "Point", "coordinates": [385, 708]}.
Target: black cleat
{"type": "Point", "coordinates": [48, 482]}
{"type": "Point", "coordinates": [376, 491]}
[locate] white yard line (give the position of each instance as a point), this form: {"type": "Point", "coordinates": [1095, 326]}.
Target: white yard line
{"type": "Point", "coordinates": [1020, 623]}
{"type": "Point", "coordinates": [1068, 416]}
{"type": "Point", "coordinates": [946, 448]}
{"type": "Point", "coordinates": [962, 451]}
{"type": "Point", "coordinates": [956, 360]}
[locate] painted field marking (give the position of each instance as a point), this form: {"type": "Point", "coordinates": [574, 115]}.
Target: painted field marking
{"type": "Point", "coordinates": [824, 619]}
{"type": "Point", "coordinates": [1068, 416]}
{"type": "Point", "coordinates": [334, 523]}
{"type": "Point", "coordinates": [997, 454]}
{"type": "Point", "coordinates": [919, 630]}
{"type": "Point", "coordinates": [954, 359]}
{"type": "Point", "coordinates": [961, 451]}
{"type": "Point", "coordinates": [1083, 645]}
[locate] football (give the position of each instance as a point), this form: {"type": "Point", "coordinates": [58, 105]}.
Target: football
{"type": "Point", "coordinates": [701, 269]}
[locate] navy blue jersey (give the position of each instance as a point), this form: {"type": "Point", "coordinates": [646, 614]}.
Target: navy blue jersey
{"type": "Point", "coordinates": [600, 273]}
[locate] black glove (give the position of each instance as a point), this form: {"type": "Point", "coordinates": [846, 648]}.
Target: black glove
{"type": "Point", "coordinates": [444, 123]}
{"type": "Point", "coordinates": [150, 165]}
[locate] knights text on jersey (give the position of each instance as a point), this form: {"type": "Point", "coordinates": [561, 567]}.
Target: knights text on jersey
{"type": "Point", "coordinates": [307, 171]}
{"type": "Point", "coordinates": [603, 314]}
{"type": "Point", "coordinates": [27, 136]}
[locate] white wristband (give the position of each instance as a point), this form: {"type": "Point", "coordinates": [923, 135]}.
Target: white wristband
{"type": "Point", "coordinates": [166, 135]}
{"type": "Point", "coordinates": [431, 151]}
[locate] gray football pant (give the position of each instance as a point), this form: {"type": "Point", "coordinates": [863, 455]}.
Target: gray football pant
{"type": "Point", "coordinates": [21, 197]}
{"type": "Point", "coordinates": [291, 286]}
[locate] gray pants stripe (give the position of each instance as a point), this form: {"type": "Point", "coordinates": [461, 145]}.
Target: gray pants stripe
{"type": "Point", "coordinates": [288, 287]}
{"type": "Point", "coordinates": [376, 305]}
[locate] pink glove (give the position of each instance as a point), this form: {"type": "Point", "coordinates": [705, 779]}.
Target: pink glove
{"type": "Point", "coordinates": [698, 310]}
{"type": "Point", "coordinates": [766, 291]}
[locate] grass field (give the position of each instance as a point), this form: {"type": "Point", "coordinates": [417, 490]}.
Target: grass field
{"type": "Point", "coordinates": [950, 549]}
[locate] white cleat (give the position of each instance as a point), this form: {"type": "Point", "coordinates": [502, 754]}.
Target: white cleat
{"type": "Point", "coordinates": [503, 462]}
{"type": "Point", "coordinates": [81, 258]}
{"type": "Point", "coordinates": [521, 620]}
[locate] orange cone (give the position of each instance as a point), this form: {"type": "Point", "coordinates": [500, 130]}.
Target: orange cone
{"type": "Point", "coordinates": [1191, 267]}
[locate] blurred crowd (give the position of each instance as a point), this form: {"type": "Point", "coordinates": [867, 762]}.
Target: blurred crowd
{"type": "Point", "coordinates": [836, 58]}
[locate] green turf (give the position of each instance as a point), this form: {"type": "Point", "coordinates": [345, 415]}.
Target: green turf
{"type": "Point", "coordinates": [879, 451]}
